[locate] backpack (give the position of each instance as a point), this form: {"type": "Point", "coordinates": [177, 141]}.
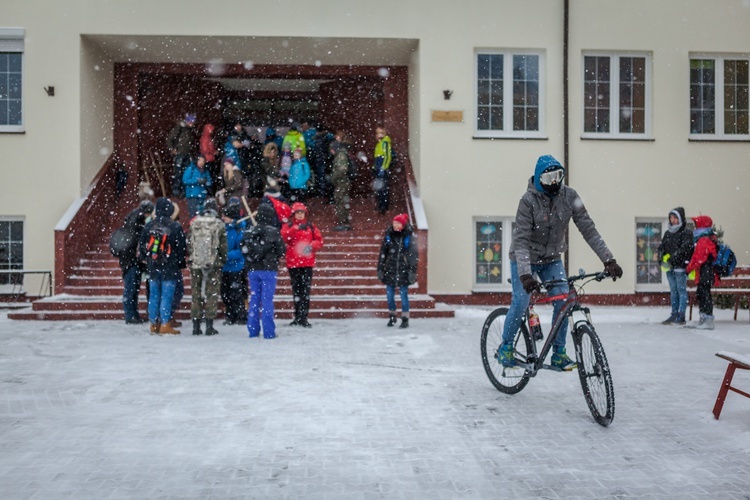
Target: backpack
{"type": "Point", "coordinates": [395, 160]}
{"type": "Point", "coordinates": [122, 243]}
{"type": "Point", "coordinates": [159, 244]}
{"type": "Point", "coordinates": [252, 245]}
{"type": "Point", "coordinates": [205, 234]}
{"type": "Point", "coordinates": [725, 260]}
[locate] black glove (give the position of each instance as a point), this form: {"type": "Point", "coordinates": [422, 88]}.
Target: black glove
{"type": "Point", "coordinates": [612, 268]}
{"type": "Point", "coordinates": [201, 181]}
{"type": "Point", "coordinates": [303, 226]}
{"type": "Point", "coordinates": [529, 283]}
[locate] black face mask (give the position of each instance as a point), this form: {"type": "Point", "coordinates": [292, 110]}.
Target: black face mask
{"type": "Point", "coordinates": [551, 189]}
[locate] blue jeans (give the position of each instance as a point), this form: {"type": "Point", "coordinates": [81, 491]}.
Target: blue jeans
{"type": "Point", "coordinates": [194, 206]}
{"type": "Point", "coordinates": [390, 295]}
{"type": "Point", "coordinates": [132, 283]}
{"type": "Point", "coordinates": [520, 301]}
{"type": "Point", "coordinates": [260, 307]}
{"type": "Point", "coordinates": [677, 279]}
{"type": "Point", "coordinates": [160, 300]}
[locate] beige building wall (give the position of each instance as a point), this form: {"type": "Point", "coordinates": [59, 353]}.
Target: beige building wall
{"type": "Point", "coordinates": [68, 136]}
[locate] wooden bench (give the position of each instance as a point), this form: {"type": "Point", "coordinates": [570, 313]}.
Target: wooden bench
{"type": "Point", "coordinates": [735, 361]}
{"type": "Point", "coordinates": [736, 286]}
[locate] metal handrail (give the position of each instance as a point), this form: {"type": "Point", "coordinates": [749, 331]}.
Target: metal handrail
{"type": "Point", "coordinates": [46, 273]}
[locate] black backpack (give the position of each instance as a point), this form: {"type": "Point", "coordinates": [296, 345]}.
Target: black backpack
{"type": "Point", "coordinates": [252, 246]}
{"type": "Point", "coordinates": [159, 244]}
{"type": "Point", "coordinates": [121, 243]}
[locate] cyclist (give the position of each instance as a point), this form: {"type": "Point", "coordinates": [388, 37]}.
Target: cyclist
{"type": "Point", "coordinates": [538, 241]}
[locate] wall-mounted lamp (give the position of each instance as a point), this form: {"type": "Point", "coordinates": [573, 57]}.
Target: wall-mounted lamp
{"type": "Point", "coordinates": [50, 90]}
{"type": "Point", "coordinates": [447, 94]}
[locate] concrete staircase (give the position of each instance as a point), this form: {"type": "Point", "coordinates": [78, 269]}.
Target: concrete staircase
{"type": "Point", "coordinates": [345, 283]}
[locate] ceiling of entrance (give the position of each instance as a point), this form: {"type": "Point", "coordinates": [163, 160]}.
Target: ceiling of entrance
{"type": "Point", "coordinates": [251, 50]}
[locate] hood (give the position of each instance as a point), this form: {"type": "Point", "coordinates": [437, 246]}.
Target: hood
{"type": "Point", "coordinates": [164, 207]}
{"type": "Point", "coordinates": [208, 129]}
{"type": "Point", "coordinates": [270, 132]}
{"type": "Point", "coordinates": [297, 207]}
{"type": "Point", "coordinates": [679, 212]}
{"type": "Point", "coordinates": [542, 164]}
{"type": "Point", "coordinates": [703, 221]}
{"type": "Point", "coordinates": [266, 215]}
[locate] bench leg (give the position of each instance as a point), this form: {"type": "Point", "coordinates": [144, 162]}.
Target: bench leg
{"type": "Point", "coordinates": [690, 300]}
{"type": "Point", "coordinates": [724, 389]}
{"type": "Point", "coordinates": [736, 305]}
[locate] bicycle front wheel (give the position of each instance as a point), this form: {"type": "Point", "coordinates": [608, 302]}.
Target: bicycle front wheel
{"type": "Point", "coordinates": [507, 380]}
{"type": "Point", "coordinates": [593, 370]}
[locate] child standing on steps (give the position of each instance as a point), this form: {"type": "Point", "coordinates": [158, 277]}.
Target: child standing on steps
{"type": "Point", "coordinates": [397, 266]}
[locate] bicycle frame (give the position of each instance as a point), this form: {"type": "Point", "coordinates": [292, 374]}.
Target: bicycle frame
{"type": "Point", "coordinates": [535, 359]}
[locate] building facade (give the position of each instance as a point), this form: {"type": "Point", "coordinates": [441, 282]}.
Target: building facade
{"type": "Point", "coordinates": [646, 103]}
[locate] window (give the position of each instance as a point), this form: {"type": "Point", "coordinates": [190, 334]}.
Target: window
{"type": "Point", "coordinates": [11, 250]}
{"type": "Point", "coordinates": [719, 98]}
{"type": "Point", "coordinates": [509, 94]}
{"type": "Point", "coordinates": [11, 79]}
{"type": "Point", "coordinates": [648, 234]}
{"type": "Point", "coordinates": [491, 243]}
{"type": "Point", "coordinates": [616, 96]}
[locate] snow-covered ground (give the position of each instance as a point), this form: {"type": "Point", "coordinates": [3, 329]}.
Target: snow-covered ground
{"type": "Point", "coordinates": [352, 409]}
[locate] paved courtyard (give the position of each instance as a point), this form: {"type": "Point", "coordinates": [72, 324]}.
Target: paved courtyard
{"type": "Point", "coordinates": [354, 410]}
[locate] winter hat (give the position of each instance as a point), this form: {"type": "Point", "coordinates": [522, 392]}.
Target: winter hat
{"type": "Point", "coordinates": [299, 207]}
{"type": "Point", "coordinates": [190, 118]}
{"type": "Point", "coordinates": [164, 207]}
{"type": "Point", "coordinates": [270, 132]}
{"type": "Point", "coordinates": [210, 204]}
{"type": "Point", "coordinates": [233, 211]}
{"type": "Point", "coordinates": [402, 219]}
{"type": "Point", "coordinates": [703, 221]}
{"type": "Point", "coordinates": [266, 215]}
{"type": "Point", "coordinates": [229, 160]}
{"type": "Point", "coordinates": [272, 192]}
{"type": "Point", "coordinates": [146, 207]}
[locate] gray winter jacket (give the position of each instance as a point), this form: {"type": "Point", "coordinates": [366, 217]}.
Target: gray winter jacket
{"type": "Point", "coordinates": [541, 221]}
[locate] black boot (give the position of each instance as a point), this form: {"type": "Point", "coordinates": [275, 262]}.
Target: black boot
{"type": "Point", "coordinates": [404, 323]}
{"type": "Point", "coordinates": [197, 327]}
{"type": "Point", "coordinates": [210, 330]}
{"type": "Point", "coordinates": [392, 320]}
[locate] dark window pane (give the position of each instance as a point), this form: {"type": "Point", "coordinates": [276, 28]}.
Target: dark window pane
{"type": "Point", "coordinates": [496, 95]}
{"type": "Point", "coordinates": [3, 86]}
{"type": "Point", "coordinates": [532, 93]}
{"type": "Point", "coordinates": [16, 230]}
{"type": "Point", "coordinates": [589, 120]}
{"type": "Point", "coordinates": [3, 62]}
{"type": "Point", "coordinates": [3, 112]}
{"type": "Point", "coordinates": [496, 67]}
{"type": "Point", "coordinates": [532, 118]}
{"type": "Point", "coordinates": [707, 119]}
{"type": "Point", "coordinates": [602, 69]}
{"type": "Point", "coordinates": [16, 253]}
{"type": "Point", "coordinates": [626, 97]}
{"type": "Point", "coordinates": [638, 122]}
{"type": "Point", "coordinates": [14, 113]}
{"type": "Point", "coordinates": [519, 93]}
{"type": "Point", "coordinates": [639, 95]}
{"type": "Point", "coordinates": [589, 94]}
{"type": "Point", "coordinates": [483, 66]}
{"type": "Point", "coordinates": [519, 119]}
{"type": "Point", "coordinates": [589, 68]}
{"type": "Point", "coordinates": [602, 124]}
{"type": "Point", "coordinates": [602, 95]}
{"type": "Point", "coordinates": [14, 62]}
{"type": "Point", "coordinates": [14, 86]}
{"type": "Point", "coordinates": [483, 92]}
{"type": "Point", "coordinates": [496, 118]}
{"type": "Point", "coordinates": [483, 118]}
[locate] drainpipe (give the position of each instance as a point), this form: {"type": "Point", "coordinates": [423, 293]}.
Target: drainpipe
{"type": "Point", "coordinates": [566, 116]}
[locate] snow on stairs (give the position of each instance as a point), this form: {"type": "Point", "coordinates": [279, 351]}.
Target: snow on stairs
{"type": "Point", "coordinates": [345, 285]}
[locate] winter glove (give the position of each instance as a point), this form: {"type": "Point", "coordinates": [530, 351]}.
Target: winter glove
{"type": "Point", "coordinates": [202, 181]}
{"type": "Point", "coordinates": [612, 268]}
{"type": "Point", "coordinates": [529, 283]}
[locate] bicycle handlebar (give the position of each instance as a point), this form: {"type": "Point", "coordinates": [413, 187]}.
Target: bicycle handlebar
{"type": "Point", "coordinates": [601, 275]}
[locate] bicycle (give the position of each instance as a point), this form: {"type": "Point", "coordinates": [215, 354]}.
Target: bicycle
{"type": "Point", "coordinates": [593, 369]}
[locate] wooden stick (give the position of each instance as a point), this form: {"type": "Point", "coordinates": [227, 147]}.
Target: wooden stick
{"type": "Point", "coordinates": [249, 212]}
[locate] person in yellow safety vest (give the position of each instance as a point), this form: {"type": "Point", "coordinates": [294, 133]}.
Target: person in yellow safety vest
{"type": "Point", "coordinates": [381, 168]}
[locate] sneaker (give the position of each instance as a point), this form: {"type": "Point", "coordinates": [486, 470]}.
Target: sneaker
{"type": "Point", "coordinates": [562, 361]}
{"type": "Point", "coordinates": [305, 324]}
{"type": "Point", "coordinates": [505, 355]}
{"type": "Point", "coordinates": [294, 323]}
{"type": "Point", "coordinates": [706, 323]}
{"type": "Point", "coordinates": [680, 319]}
{"type": "Point", "coordinates": [671, 319]}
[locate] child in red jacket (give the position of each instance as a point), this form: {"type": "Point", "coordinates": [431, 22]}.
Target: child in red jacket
{"type": "Point", "coordinates": [702, 263]}
{"type": "Point", "coordinates": [302, 240]}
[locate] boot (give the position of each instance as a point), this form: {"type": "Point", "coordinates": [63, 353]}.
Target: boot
{"type": "Point", "coordinates": [155, 328]}
{"type": "Point", "coordinates": [404, 323]}
{"type": "Point", "coordinates": [706, 323]}
{"type": "Point", "coordinates": [671, 319]}
{"type": "Point", "coordinates": [197, 327]}
{"type": "Point", "coordinates": [210, 330]}
{"type": "Point", "coordinates": [174, 323]}
{"type": "Point", "coordinates": [167, 328]}
{"type": "Point", "coordinates": [392, 319]}
{"type": "Point", "coordinates": [680, 320]}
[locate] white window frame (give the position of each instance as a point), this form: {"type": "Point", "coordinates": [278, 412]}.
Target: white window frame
{"type": "Point", "coordinates": [649, 287]}
{"type": "Point", "coordinates": [12, 40]}
{"type": "Point", "coordinates": [507, 228]}
{"type": "Point", "coordinates": [719, 98]}
{"type": "Point", "coordinates": [614, 97]}
{"type": "Point", "coordinates": [508, 131]}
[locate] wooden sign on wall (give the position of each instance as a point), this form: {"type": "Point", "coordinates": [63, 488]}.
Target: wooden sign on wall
{"type": "Point", "coordinates": [447, 116]}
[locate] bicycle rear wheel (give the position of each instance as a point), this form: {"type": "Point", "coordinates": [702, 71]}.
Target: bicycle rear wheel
{"type": "Point", "coordinates": [507, 380]}
{"type": "Point", "coordinates": [593, 370]}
